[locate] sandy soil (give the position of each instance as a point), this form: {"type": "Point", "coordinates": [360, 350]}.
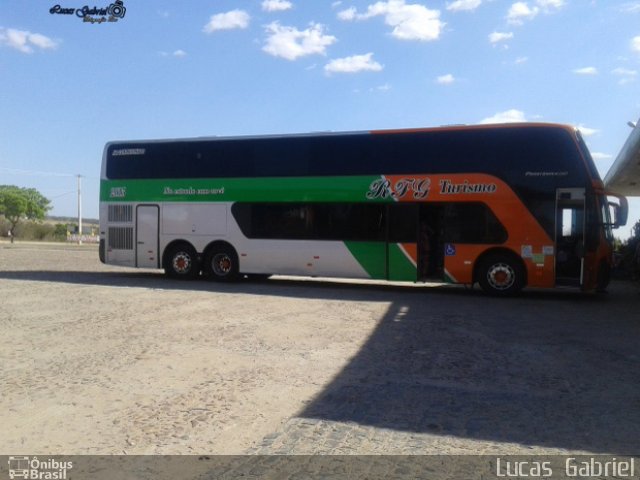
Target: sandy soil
{"type": "Point", "coordinates": [104, 360]}
{"type": "Point", "coordinates": [127, 361]}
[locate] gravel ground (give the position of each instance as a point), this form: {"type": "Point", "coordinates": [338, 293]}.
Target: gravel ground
{"type": "Point", "coordinates": [104, 360]}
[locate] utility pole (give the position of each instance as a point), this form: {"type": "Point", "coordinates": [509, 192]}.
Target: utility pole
{"type": "Point", "coordinates": [79, 209]}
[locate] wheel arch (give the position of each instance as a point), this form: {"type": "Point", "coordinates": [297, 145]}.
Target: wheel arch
{"type": "Point", "coordinates": [216, 244]}
{"type": "Point", "coordinates": [500, 251]}
{"type": "Point", "coordinates": [171, 245]}
{"type": "Point", "coordinates": [221, 247]}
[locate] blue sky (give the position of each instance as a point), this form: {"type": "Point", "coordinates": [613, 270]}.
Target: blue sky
{"type": "Point", "coordinates": [198, 68]}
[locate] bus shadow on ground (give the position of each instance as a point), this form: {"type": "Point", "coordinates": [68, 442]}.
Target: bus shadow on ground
{"type": "Point", "coordinates": [548, 368]}
{"type": "Point", "coordinates": [292, 287]}
{"type": "Point", "coordinates": [285, 286]}
{"type": "Point", "coordinates": [562, 375]}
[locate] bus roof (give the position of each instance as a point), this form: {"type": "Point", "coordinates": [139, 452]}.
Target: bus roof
{"type": "Point", "coordinates": [330, 133]}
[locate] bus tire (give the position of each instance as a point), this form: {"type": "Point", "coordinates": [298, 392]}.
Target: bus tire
{"type": "Point", "coordinates": [221, 263]}
{"type": "Point", "coordinates": [181, 261]}
{"type": "Point", "coordinates": [501, 274]}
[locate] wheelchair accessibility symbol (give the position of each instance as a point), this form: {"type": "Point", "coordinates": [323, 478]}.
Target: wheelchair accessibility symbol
{"type": "Point", "coordinates": [449, 249]}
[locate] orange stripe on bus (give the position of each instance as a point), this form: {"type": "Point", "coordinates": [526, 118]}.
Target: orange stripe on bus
{"type": "Point", "coordinates": [524, 231]}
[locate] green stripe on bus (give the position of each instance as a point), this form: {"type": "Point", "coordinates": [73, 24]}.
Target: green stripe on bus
{"type": "Point", "coordinates": [448, 278]}
{"type": "Point", "coordinates": [371, 256]}
{"type": "Point", "coordinates": [277, 189]}
{"type": "Point", "coordinates": [400, 267]}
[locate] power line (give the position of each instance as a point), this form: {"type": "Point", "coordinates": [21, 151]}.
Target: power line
{"type": "Point", "coordinates": [63, 194]}
{"type": "Point", "coordinates": [39, 173]}
{"type": "Point", "coordinates": [35, 173]}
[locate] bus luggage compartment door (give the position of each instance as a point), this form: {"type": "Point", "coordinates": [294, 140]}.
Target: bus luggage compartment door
{"type": "Point", "coordinates": [147, 236]}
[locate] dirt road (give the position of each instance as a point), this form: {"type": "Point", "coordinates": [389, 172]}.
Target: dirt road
{"type": "Point", "coordinates": [104, 360]}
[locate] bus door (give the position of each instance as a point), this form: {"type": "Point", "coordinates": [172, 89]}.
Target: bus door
{"type": "Point", "coordinates": [147, 236]}
{"type": "Point", "coordinates": [402, 242]}
{"type": "Point", "coordinates": [570, 236]}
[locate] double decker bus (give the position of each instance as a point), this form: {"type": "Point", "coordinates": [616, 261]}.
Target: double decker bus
{"type": "Point", "coordinates": [505, 206]}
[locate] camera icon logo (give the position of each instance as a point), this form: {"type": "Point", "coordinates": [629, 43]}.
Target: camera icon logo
{"type": "Point", "coordinates": [117, 9]}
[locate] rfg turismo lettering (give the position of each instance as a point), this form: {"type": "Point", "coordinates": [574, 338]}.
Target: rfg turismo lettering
{"type": "Point", "coordinates": [447, 187]}
{"type": "Point", "coordinates": [384, 188]}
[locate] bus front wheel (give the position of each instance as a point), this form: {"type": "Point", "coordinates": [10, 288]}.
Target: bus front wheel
{"type": "Point", "coordinates": [222, 263]}
{"type": "Point", "coordinates": [181, 261]}
{"type": "Point", "coordinates": [500, 274]}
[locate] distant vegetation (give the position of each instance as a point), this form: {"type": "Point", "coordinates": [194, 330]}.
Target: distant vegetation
{"type": "Point", "coordinates": [23, 216]}
{"type": "Point", "coordinates": [18, 204]}
{"type": "Point", "coordinates": [30, 230]}
{"type": "Point", "coordinates": [52, 229]}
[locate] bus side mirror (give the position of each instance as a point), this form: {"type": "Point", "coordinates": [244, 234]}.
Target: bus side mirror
{"type": "Point", "coordinates": [620, 211]}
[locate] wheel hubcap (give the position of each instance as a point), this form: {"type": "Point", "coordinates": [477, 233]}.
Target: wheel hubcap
{"type": "Point", "coordinates": [221, 264]}
{"type": "Point", "coordinates": [181, 262]}
{"type": "Point", "coordinates": [501, 276]}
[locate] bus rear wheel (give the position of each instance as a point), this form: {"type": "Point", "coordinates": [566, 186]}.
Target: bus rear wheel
{"type": "Point", "coordinates": [181, 261]}
{"type": "Point", "coordinates": [222, 264]}
{"type": "Point", "coordinates": [500, 274]}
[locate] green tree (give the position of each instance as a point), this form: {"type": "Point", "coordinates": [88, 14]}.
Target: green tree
{"type": "Point", "coordinates": [60, 232]}
{"type": "Point", "coordinates": [635, 231]}
{"type": "Point", "coordinates": [22, 203]}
